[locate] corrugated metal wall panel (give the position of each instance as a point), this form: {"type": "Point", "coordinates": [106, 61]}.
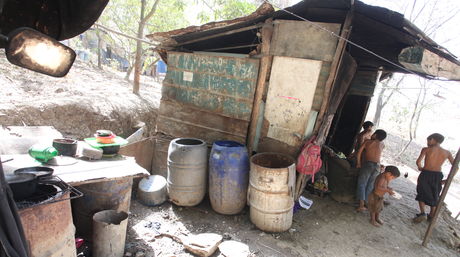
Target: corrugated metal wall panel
{"type": "Point", "coordinates": [207, 96]}
{"type": "Point", "coordinates": [219, 84]}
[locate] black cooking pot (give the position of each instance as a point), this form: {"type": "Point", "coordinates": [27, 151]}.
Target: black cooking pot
{"type": "Point", "coordinates": [65, 146]}
{"type": "Point", "coordinates": [23, 185]}
{"type": "Point", "coordinates": [38, 171]}
{"type": "Point", "coordinates": [110, 150]}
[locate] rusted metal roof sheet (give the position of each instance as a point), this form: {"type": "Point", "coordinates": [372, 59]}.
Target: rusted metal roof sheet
{"type": "Point", "coordinates": [378, 29]}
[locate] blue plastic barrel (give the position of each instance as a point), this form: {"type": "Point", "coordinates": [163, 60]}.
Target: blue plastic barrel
{"type": "Point", "coordinates": [228, 177]}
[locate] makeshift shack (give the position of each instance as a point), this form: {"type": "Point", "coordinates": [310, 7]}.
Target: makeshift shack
{"type": "Point", "coordinates": [273, 78]}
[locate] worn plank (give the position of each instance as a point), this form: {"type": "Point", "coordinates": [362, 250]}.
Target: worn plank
{"type": "Point", "coordinates": [264, 73]}
{"type": "Point", "coordinates": [182, 120]}
{"type": "Point", "coordinates": [142, 151]}
{"type": "Point", "coordinates": [302, 39]}
{"type": "Point", "coordinates": [290, 98]}
{"type": "Point", "coordinates": [421, 60]}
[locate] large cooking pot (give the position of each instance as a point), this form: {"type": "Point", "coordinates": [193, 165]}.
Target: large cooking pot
{"type": "Point", "coordinates": [24, 181]}
{"type": "Point", "coordinates": [23, 185]}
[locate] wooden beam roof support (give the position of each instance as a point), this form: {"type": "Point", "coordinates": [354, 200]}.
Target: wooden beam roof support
{"type": "Point", "coordinates": [421, 60]}
{"type": "Point", "coordinates": [264, 72]}
{"type": "Point", "coordinates": [440, 206]}
{"type": "Point", "coordinates": [226, 33]}
{"type": "Point", "coordinates": [323, 123]}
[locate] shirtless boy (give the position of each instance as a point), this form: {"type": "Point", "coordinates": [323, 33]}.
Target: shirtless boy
{"type": "Point", "coordinates": [362, 136]}
{"type": "Point", "coordinates": [370, 168]}
{"type": "Point", "coordinates": [429, 182]}
{"type": "Point", "coordinates": [375, 199]}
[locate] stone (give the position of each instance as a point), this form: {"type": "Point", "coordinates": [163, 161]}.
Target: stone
{"type": "Point", "coordinates": [227, 236]}
{"type": "Point", "coordinates": [140, 254]}
{"type": "Point", "coordinates": [128, 254]}
{"type": "Point", "coordinates": [203, 245]}
{"type": "Point", "coordinates": [165, 215]}
{"type": "Point", "coordinates": [234, 249]}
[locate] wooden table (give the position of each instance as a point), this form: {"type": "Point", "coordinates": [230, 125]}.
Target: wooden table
{"type": "Point", "coordinates": [83, 171]}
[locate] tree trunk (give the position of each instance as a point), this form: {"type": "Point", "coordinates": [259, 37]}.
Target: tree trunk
{"type": "Point", "coordinates": [137, 62]}
{"type": "Point", "coordinates": [99, 46]}
{"type": "Point", "coordinates": [128, 72]}
{"type": "Point", "coordinates": [411, 123]}
{"type": "Point", "coordinates": [379, 108]}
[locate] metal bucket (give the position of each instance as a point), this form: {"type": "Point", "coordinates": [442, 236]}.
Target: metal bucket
{"type": "Point", "coordinates": [187, 161]}
{"type": "Point", "coordinates": [271, 191]}
{"type": "Point", "coordinates": [109, 195]}
{"type": "Point", "coordinates": [109, 235]}
{"type": "Point", "coordinates": [228, 177]}
{"type": "Point", "coordinates": [152, 190]}
{"type": "Point", "coordinates": [49, 229]}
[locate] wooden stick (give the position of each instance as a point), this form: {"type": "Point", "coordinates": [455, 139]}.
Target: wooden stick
{"type": "Point", "coordinates": [327, 92]}
{"type": "Point", "coordinates": [230, 47]}
{"type": "Point", "coordinates": [226, 33]}
{"type": "Point", "coordinates": [123, 34]}
{"type": "Point", "coordinates": [264, 71]}
{"type": "Point", "coordinates": [452, 173]}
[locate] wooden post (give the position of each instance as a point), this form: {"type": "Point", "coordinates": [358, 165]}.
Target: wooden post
{"type": "Point", "coordinates": [138, 61]}
{"type": "Point", "coordinates": [302, 178]}
{"type": "Point", "coordinates": [452, 173]}
{"type": "Point", "coordinates": [264, 72]}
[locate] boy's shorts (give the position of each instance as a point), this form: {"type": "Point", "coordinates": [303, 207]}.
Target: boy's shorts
{"type": "Point", "coordinates": [374, 203]}
{"type": "Point", "coordinates": [429, 187]}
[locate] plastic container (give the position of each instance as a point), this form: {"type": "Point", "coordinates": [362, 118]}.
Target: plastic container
{"type": "Point", "coordinates": [187, 163]}
{"type": "Point", "coordinates": [43, 153]}
{"type": "Point", "coordinates": [228, 177]}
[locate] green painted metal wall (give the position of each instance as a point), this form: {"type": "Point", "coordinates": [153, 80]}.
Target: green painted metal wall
{"type": "Point", "coordinates": [218, 84]}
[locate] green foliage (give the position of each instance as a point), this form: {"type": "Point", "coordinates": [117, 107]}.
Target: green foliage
{"type": "Point", "coordinates": [226, 10]}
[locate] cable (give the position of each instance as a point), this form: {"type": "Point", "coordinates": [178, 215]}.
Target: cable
{"type": "Point", "coordinates": [354, 44]}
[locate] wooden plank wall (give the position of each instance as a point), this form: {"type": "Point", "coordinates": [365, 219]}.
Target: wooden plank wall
{"type": "Point", "coordinates": [300, 39]}
{"type": "Point", "coordinates": [205, 96]}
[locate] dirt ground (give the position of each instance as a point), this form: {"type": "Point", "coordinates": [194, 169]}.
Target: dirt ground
{"type": "Point", "coordinates": [78, 104]}
{"type": "Point", "coordinates": [328, 228]}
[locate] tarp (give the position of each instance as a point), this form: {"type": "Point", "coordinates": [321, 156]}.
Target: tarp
{"type": "Point", "coordinates": [12, 239]}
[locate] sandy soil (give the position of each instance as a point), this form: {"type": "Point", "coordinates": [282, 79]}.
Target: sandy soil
{"type": "Point", "coordinates": [328, 228]}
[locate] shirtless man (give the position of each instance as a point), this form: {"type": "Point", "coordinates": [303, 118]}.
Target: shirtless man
{"type": "Point", "coordinates": [429, 182]}
{"type": "Point", "coordinates": [375, 199]}
{"type": "Point", "coordinates": [370, 168]}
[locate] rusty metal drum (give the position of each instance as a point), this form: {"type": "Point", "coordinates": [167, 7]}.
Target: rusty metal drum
{"type": "Point", "coordinates": [187, 171]}
{"type": "Point", "coordinates": [228, 177]}
{"type": "Point", "coordinates": [108, 195]}
{"type": "Point", "coordinates": [271, 191]}
{"type": "Point", "coordinates": [49, 229]}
